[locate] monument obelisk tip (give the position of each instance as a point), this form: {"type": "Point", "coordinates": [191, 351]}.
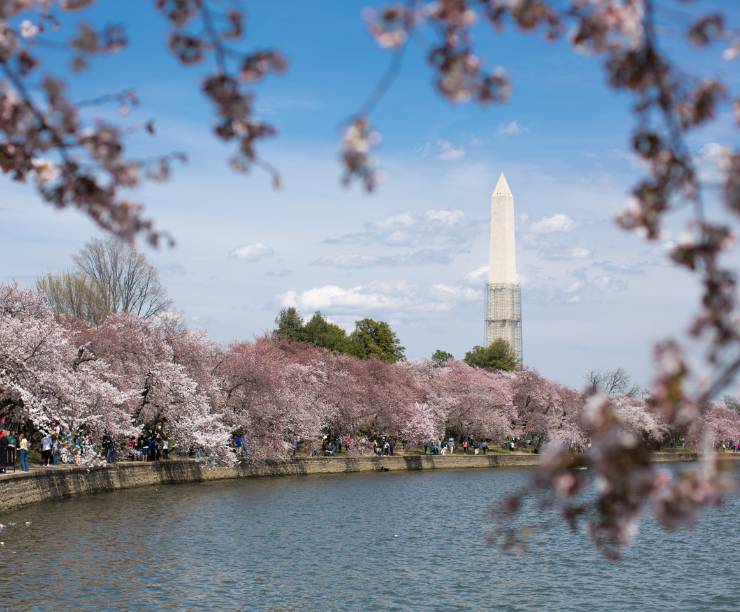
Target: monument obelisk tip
{"type": "Point", "coordinates": [502, 187]}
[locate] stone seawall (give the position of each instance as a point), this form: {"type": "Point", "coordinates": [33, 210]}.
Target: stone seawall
{"type": "Point", "coordinates": [21, 489]}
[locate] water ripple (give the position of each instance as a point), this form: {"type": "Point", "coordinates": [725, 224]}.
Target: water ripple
{"type": "Point", "coordinates": [382, 541]}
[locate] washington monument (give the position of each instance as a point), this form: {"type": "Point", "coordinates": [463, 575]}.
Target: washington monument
{"type": "Point", "coordinates": [503, 295]}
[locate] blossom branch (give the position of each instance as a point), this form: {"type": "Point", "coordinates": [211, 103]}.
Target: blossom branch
{"type": "Point", "coordinates": [234, 104]}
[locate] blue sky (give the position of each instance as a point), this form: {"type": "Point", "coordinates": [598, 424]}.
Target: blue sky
{"type": "Point", "coordinates": [413, 253]}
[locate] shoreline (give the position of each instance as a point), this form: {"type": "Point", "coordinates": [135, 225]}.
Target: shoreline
{"type": "Point", "coordinates": [25, 488]}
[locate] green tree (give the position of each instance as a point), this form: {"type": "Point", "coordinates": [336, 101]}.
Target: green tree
{"type": "Point", "coordinates": [328, 335]}
{"type": "Point", "coordinates": [377, 339]}
{"type": "Point", "coordinates": [440, 357]}
{"type": "Point", "coordinates": [498, 356]}
{"type": "Point", "coordinates": [289, 325]}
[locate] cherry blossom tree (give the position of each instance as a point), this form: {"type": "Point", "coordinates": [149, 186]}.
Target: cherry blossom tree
{"type": "Point", "coordinates": [302, 400]}
{"type": "Point", "coordinates": [470, 401]}
{"type": "Point", "coordinates": [165, 371]}
{"type": "Point", "coordinates": [347, 391]}
{"type": "Point", "coordinates": [547, 411]}
{"type": "Point", "coordinates": [199, 355]}
{"type": "Point", "coordinates": [268, 398]}
{"type": "Point", "coordinates": [638, 418]}
{"type": "Point", "coordinates": [423, 425]}
{"type": "Point", "coordinates": [720, 425]}
{"type": "Point", "coordinates": [171, 402]}
{"type": "Point", "coordinates": [43, 379]}
{"type": "Point", "coordinates": [391, 393]}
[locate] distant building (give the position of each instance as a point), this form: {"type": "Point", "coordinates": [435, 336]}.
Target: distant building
{"type": "Point", "coordinates": [503, 315]}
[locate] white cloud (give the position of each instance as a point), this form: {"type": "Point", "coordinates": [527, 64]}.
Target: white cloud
{"type": "Point", "coordinates": [578, 253]}
{"type": "Point", "coordinates": [574, 286]}
{"type": "Point", "coordinates": [609, 283]}
{"type": "Point", "coordinates": [555, 252]}
{"type": "Point", "coordinates": [431, 229]}
{"type": "Point", "coordinates": [511, 128]}
{"type": "Point", "coordinates": [559, 222]}
{"type": "Point", "coordinates": [375, 296]}
{"type": "Point", "coordinates": [574, 299]}
{"type": "Point", "coordinates": [288, 299]}
{"type": "Point", "coordinates": [445, 217]}
{"type": "Point", "coordinates": [477, 274]}
{"type": "Point", "coordinates": [454, 293]}
{"type": "Point", "coordinates": [421, 257]}
{"type": "Point", "coordinates": [448, 151]}
{"type": "Point", "coordinates": [388, 298]}
{"type": "Point", "coordinates": [402, 219]}
{"type": "Point", "coordinates": [349, 261]}
{"type": "Point", "coordinates": [252, 252]}
{"type": "Point", "coordinates": [398, 238]}
{"type": "Point", "coordinates": [442, 149]}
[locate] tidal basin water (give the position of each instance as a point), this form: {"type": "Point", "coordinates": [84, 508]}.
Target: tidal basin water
{"type": "Point", "coordinates": [411, 540]}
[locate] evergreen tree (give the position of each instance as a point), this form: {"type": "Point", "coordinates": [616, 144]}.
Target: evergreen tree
{"type": "Point", "coordinates": [498, 356]}
{"type": "Point", "coordinates": [377, 339]}
{"type": "Point", "coordinates": [440, 357]}
{"type": "Point", "coordinates": [328, 335]}
{"type": "Point", "coordinates": [369, 339]}
{"type": "Point", "coordinates": [290, 325]}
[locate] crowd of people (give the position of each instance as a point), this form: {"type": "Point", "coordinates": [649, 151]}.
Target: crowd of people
{"type": "Point", "coordinates": [57, 447]}
{"type": "Point", "coordinates": [15, 448]}
{"type": "Point", "coordinates": [145, 447]}
{"type": "Point", "coordinates": [467, 444]}
{"type": "Point", "coordinates": [330, 445]}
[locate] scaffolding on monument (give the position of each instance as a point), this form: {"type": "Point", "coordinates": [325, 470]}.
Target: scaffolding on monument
{"type": "Point", "coordinates": [503, 315]}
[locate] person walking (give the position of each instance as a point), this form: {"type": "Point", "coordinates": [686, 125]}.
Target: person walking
{"type": "Point", "coordinates": [152, 449]}
{"type": "Point", "coordinates": [110, 449]}
{"type": "Point", "coordinates": [465, 446]}
{"type": "Point", "coordinates": [55, 450]}
{"type": "Point", "coordinates": [12, 444]}
{"type": "Point", "coordinates": [165, 449]}
{"type": "Point", "coordinates": [451, 445]}
{"type": "Point", "coordinates": [3, 451]}
{"type": "Point", "coordinates": [23, 453]}
{"type": "Point", "coordinates": [46, 450]}
{"type": "Point", "coordinates": [484, 446]}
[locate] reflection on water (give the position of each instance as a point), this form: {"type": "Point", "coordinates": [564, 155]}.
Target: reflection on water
{"type": "Point", "coordinates": [380, 541]}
